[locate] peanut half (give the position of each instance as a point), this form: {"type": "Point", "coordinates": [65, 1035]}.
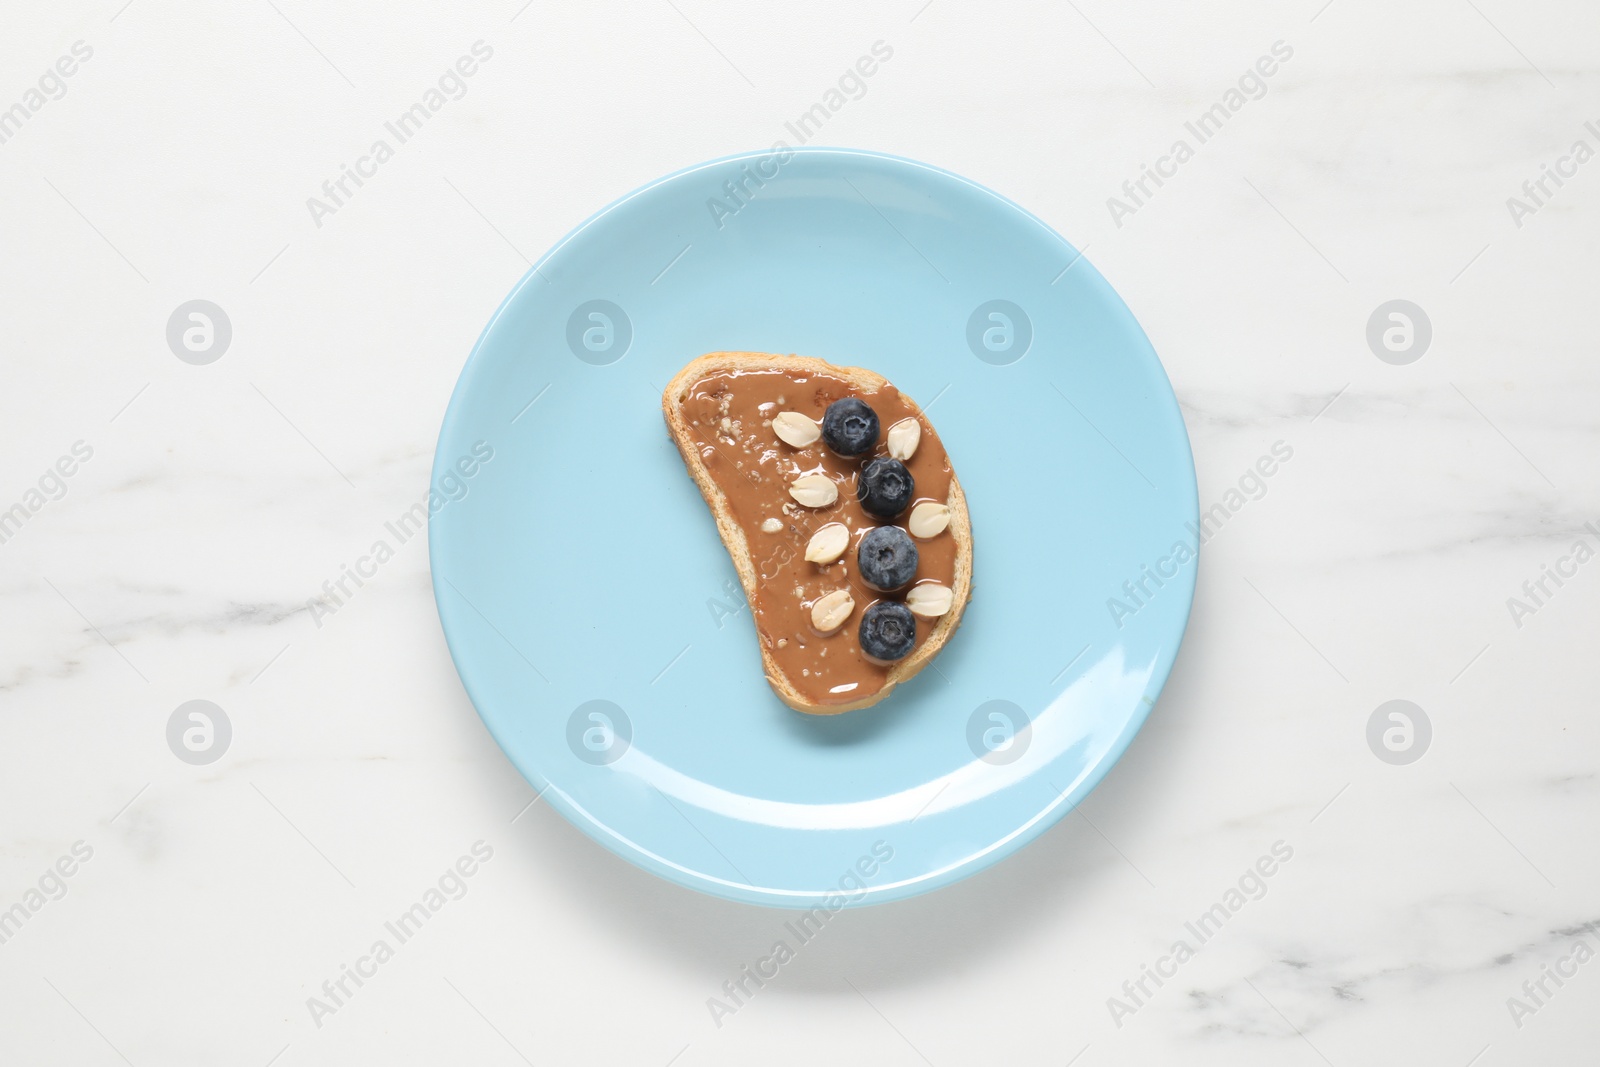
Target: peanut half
{"type": "Point", "coordinates": [814, 490]}
{"type": "Point", "coordinates": [796, 429]}
{"type": "Point", "coordinates": [904, 436]}
{"type": "Point", "coordinates": [929, 600]}
{"type": "Point", "coordinates": [830, 612]}
{"type": "Point", "coordinates": [928, 519]}
{"type": "Point", "coordinates": [828, 543]}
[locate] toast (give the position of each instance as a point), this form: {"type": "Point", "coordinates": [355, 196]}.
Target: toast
{"type": "Point", "coordinates": [719, 411]}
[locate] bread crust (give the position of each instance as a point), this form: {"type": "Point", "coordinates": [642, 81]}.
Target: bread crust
{"type": "Point", "coordinates": [738, 547]}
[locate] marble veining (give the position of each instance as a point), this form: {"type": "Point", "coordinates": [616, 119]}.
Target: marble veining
{"type": "Point", "coordinates": [1426, 901]}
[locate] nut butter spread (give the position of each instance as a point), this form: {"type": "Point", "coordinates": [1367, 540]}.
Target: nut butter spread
{"type": "Point", "coordinates": [730, 418]}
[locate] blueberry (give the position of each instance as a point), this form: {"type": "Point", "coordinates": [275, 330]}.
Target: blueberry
{"type": "Point", "coordinates": [884, 487]}
{"type": "Point", "coordinates": [888, 630]}
{"type": "Point", "coordinates": [849, 427]}
{"type": "Point", "coordinates": [887, 558]}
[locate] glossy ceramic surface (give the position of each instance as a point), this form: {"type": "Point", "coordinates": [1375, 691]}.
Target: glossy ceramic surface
{"type": "Point", "coordinates": [594, 615]}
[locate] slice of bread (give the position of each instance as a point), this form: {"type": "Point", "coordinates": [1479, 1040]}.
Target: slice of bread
{"type": "Point", "coordinates": [863, 382]}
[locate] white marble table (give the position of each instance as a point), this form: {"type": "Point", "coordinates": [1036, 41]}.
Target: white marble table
{"type": "Point", "coordinates": [1421, 905]}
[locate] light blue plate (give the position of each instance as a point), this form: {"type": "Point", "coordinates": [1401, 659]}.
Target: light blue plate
{"type": "Point", "coordinates": [595, 617]}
